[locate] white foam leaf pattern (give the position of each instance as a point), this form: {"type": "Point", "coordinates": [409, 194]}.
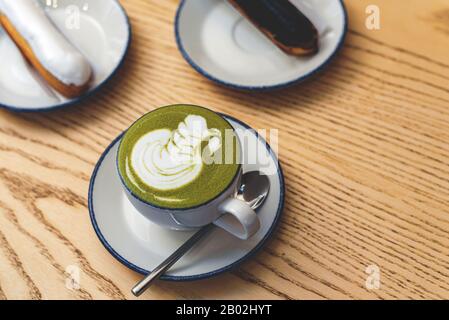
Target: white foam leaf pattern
{"type": "Point", "coordinates": [167, 160]}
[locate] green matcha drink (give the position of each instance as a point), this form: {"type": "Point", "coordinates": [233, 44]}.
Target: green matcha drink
{"type": "Point", "coordinates": [179, 156]}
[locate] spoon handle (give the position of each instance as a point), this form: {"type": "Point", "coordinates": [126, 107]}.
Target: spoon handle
{"type": "Point", "coordinates": [146, 282]}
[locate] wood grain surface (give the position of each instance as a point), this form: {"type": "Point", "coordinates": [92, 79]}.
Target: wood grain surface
{"type": "Point", "coordinates": [364, 147]}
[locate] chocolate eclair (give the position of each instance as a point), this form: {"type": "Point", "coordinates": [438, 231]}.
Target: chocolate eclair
{"type": "Point", "coordinates": [282, 22]}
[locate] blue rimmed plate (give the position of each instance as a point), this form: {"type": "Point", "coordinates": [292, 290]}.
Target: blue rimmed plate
{"type": "Point", "coordinates": [142, 245]}
{"type": "Point", "coordinates": [224, 47]}
{"type": "Point", "coordinates": [99, 28]}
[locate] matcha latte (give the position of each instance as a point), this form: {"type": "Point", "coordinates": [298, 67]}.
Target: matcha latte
{"type": "Point", "coordinates": [179, 156]}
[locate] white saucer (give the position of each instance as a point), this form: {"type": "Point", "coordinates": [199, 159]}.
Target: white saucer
{"type": "Point", "coordinates": [223, 46]}
{"type": "Point", "coordinates": [142, 245]}
{"type": "Point", "coordinates": [103, 36]}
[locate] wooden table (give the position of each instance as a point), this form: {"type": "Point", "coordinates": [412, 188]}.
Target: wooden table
{"type": "Point", "coordinates": [364, 147]}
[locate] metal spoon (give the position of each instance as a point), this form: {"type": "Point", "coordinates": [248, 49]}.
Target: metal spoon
{"type": "Point", "coordinates": [254, 190]}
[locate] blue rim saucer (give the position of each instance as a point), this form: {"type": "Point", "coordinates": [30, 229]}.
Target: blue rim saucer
{"type": "Point", "coordinates": [114, 232]}
{"type": "Point", "coordinates": [190, 46]}
{"type": "Point", "coordinates": [97, 87]}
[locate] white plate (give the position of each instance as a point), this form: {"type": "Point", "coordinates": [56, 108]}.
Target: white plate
{"type": "Point", "coordinates": [103, 36]}
{"type": "Point", "coordinates": [142, 245]}
{"type": "Point", "coordinates": [224, 47]}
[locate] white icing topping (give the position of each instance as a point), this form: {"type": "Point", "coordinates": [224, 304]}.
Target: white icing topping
{"type": "Point", "coordinates": [52, 49]}
{"type": "Point", "coordinates": [17, 76]}
{"type": "Point", "coordinates": [167, 160]}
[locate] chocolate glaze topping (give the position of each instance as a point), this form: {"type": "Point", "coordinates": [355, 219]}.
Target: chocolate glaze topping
{"type": "Point", "coordinates": [283, 22]}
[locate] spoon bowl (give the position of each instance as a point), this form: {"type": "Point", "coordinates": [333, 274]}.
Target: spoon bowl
{"type": "Point", "coordinates": [254, 188]}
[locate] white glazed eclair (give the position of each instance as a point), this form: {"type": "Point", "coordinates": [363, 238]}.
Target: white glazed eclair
{"type": "Point", "coordinates": [62, 65]}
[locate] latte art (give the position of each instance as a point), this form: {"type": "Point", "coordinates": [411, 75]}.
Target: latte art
{"type": "Point", "coordinates": [167, 160]}
{"type": "Point", "coordinates": [179, 156]}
